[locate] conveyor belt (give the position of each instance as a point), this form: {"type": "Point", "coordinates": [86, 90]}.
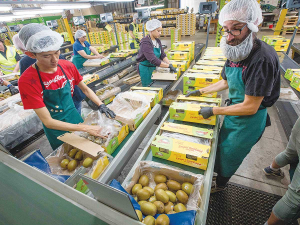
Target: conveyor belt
{"type": "Point", "coordinates": [238, 205]}
{"type": "Point", "coordinates": [287, 116]}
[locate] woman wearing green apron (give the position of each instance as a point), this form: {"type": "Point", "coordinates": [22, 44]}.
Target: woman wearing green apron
{"type": "Point", "coordinates": [47, 86]}
{"type": "Point", "coordinates": [252, 75]}
{"type": "Point", "coordinates": [151, 53]}
{"type": "Point", "coordinates": [82, 50]}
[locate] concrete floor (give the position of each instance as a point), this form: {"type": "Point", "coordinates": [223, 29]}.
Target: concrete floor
{"type": "Point", "coordinates": [250, 172]}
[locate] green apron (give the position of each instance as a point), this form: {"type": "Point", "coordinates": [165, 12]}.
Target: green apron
{"type": "Point", "coordinates": [61, 107]}
{"type": "Point", "coordinates": [78, 60]}
{"type": "Point", "coordinates": [146, 69]}
{"type": "Point", "coordinates": [238, 134]}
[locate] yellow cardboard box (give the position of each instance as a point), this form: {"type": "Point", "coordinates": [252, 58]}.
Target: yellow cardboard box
{"type": "Point", "coordinates": [216, 69]}
{"type": "Point", "coordinates": [188, 89]}
{"type": "Point", "coordinates": [200, 79]}
{"type": "Point", "coordinates": [204, 72]}
{"type": "Point", "coordinates": [201, 100]}
{"type": "Point", "coordinates": [290, 73]}
{"type": "Point", "coordinates": [210, 63]}
{"type": "Point", "coordinates": [183, 65]}
{"type": "Point", "coordinates": [214, 58]}
{"type": "Point", "coordinates": [183, 152]}
{"type": "Point", "coordinates": [158, 90]}
{"type": "Point", "coordinates": [190, 113]}
{"type": "Point", "coordinates": [176, 55]}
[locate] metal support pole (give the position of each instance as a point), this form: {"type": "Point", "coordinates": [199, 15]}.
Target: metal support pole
{"type": "Point", "coordinates": [116, 34]}
{"type": "Point", "coordinates": [144, 29]}
{"type": "Point", "coordinates": [208, 26]}
{"type": "Point", "coordinates": [87, 33]}
{"type": "Point", "coordinates": [294, 34]}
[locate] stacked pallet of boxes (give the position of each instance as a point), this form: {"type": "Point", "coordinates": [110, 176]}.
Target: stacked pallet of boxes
{"type": "Point", "coordinates": [279, 43]}
{"type": "Point", "coordinates": [101, 37]}
{"type": "Point", "coordinates": [123, 39]}
{"type": "Point", "coordinates": [206, 71]}
{"type": "Point", "coordinates": [175, 35]}
{"type": "Point", "coordinates": [181, 54]}
{"type": "Point", "coordinates": [293, 75]}
{"type": "Point", "coordinates": [187, 23]}
{"type": "Point", "coordinates": [61, 26]}
{"type": "Point", "coordinates": [121, 27]}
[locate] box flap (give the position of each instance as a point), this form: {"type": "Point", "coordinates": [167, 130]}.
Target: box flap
{"type": "Point", "coordinates": [200, 99]}
{"type": "Point", "coordinates": [81, 143]}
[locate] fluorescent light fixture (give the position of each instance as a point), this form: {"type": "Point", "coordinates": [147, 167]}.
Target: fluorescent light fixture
{"type": "Point", "coordinates": [149, 7]}
{"type": "Point", "coordinates": [67, 6]}
{"type": "Point", "coordinates": [12, 17]}
{"type": "Point", "coordinates": [5, 7]}
{"type": "Point", "coordinates": [35, 12]}
{"type": "Point", "coordinates": [113, 1]}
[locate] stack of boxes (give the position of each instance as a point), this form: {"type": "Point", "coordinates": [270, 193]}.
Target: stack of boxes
{"type": "Point", "coordinates": [181, 54]}
{"type": "Point", "coordinates": [101, 37]}
{"type": "Point", "coordinates": [207, 71]}
{"type": "Point", "coordinates": [61, 26]}
{"type": "Point", "coordinates": [187, 23]}
{"type": "Point", "coordinates": [293, 75]}
{"type": "Point", "coordinates": [279, 43]}
{"type": "Point", "coordinates": [121, 27]}
{"type": "Point", "coordinates": [175, 35]}
{"type": "Point", "coordinates": [66, 36]}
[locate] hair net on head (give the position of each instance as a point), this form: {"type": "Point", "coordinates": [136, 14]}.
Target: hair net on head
{"type": "Point", "coordinates": [79, 34]}
{"type": "Point", "coordinates": [18, 43]}
{"type": "Point", "coordinates": [151, 25]}
{"type": "Point", "coordinates": [135, 16]}
{"type": "Point", "coordinates": [245, 11]}
{"type": "Point", "coordinates": [38, 38]}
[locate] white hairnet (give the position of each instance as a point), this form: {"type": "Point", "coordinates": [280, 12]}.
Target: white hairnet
{"type": "Point", "coordinates": [153, 24]}
{"type": "Point", "coordinates": [135, 16]}
{"type": "Point", "coordinates": [18, 43]}
{"type": "Point", "coordinates": [79, 34]}
{"type": "Point", "coordinates": [245, 11]}
{"type": "Point", "coordinates": [38, 38]}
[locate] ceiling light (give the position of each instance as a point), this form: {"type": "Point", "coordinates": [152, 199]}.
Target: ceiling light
{"type": "Point", "coordinates": [35, 12]}
{"type": "Point", "coordinates": [5, 7]}
{"type": "Point", "coordinates": [13, 17]}
{"type": "Point", "coordinates": [67, 6]}
{"type": "Point", "coordinates": [149, 7]}
{"type": "Point", "coordinates": [112, 1]}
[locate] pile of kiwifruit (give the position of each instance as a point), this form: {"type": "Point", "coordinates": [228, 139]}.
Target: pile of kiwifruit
{"type": "Point", "coordinates": [76, 155]}
{"type": "Point", "coordinates": [168, 197]}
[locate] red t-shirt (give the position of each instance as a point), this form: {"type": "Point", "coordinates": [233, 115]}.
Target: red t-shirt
{"type": "Point", "coordinates": [31, 89]}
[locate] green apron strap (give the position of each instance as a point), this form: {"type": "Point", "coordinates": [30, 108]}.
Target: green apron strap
{"type": "Point", "coordinates": [78, 60]}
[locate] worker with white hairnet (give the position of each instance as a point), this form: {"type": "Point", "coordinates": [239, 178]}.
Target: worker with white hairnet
{"type": "Point", "coordinates": [251, 73]}
{"type": "Point", "coordinates": [151, 53]}
{"type": "Point", "coordinates": [47, 86]}
{"type": "Point", "coordinates": [133, 33]}
{"type": "Point", "coordinates": [82, 50]}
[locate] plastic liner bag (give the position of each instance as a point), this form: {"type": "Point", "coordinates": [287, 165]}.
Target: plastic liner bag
{"type": "Point", "coordinates": [184, 137]}
{"type": "Point", "coordinates": [61, 153]}
{"type": "Point", "coordinates": [128, 105]}
{"type": "Point", "coordinates": [145, 91]}
{"type": "Point", "coordinates": [186, 218]}
{"type": "Point", "coordinates": [37, 160]}
{"type": "Point", "coordinates": [170, 97]}
{"type": "Point", "coordinates": [96, 62]}
{"type": "Point", "coordinates": [110, 128]}
{"type": "Point", "coordinates": [107, 92]}
{"type": "Point", "coordinates": [15, 114]}
{"type": "Point", "coordinates": [199, 103]}
{"type": "Point", "coordinates": [151, 169]}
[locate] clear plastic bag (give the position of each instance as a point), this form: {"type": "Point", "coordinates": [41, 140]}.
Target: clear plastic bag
{"type": "Point", "coordinates": [128, 105]}
{"type": "Point", "coordinates": [151, 169]}
{"type": "Point", "coordinates": [109, 128]}
{"type": "Point", "coordinates": [184, 137]}
{"type": "Point", "coordinates": [145, 91]}
{"type": "Point", "coordinates": [61, 153]}
{"type": "Point", "coordinates": [162, 70]}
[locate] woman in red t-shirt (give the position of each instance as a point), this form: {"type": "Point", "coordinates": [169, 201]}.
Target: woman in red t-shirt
{"type": "Point", "coordinates": [47, 86]}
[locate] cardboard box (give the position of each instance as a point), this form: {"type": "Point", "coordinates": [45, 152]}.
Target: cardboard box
{"type": "Point", "coordinates": [188, 89]}
{"type": "Point", "coordinates": [204, 72]}
{"type": "Point", "coordinates": [201, 68]}
{"type": "Point", "coordinates": [290, 73]}
{"type": "Point", "coordinates": [200, 79]}
{"type": "Point", "coordinates": [211, 63]}
{"type": "Point", "coordinates": [158, 90]}
{"type": "Point", "coordinates": [90, 78]}
{"type": "Point", "coordinates": [166, 76]}
{"type": "Point", "coordinates": [281, 48]}
{"type": "Point", "coordinates": [183, 65]}
{"type": "Point", "coordinates": [295, 83]}
{"type": "Point", "coordinates": [183, 152]}
{"type": "Point", "coordinates": [215, 58]}
{"type": "Point", "coordinates": [118, 55]}
{"type": "Point", "coordinates": [178, 55]}
{"type": "Point", "coordinates": [115, 141]}
{"type": "Point", "coordinates": [177, 46]}
{"type": "Point", "coordinates": [171, 97]}
{"type": "Point", "coordinates": [190, 113]}
{"type": "Point", "coordinates": [200, 100]}
{"type": "Point", "coordinates": [188, 130]}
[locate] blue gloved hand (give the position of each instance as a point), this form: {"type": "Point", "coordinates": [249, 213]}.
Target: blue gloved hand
{"type": "Point", "coordinates": [193, 93]}
{"type": "Point", "coordinates": [109, 113]}
{"type": "Point", "coordinates": [206, 112]}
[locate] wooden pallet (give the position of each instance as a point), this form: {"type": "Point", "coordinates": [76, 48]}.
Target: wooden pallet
{"type": "Point", "coordinates": [290, 20]}
{"type": "Point", "coordinates": [289, 32]}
